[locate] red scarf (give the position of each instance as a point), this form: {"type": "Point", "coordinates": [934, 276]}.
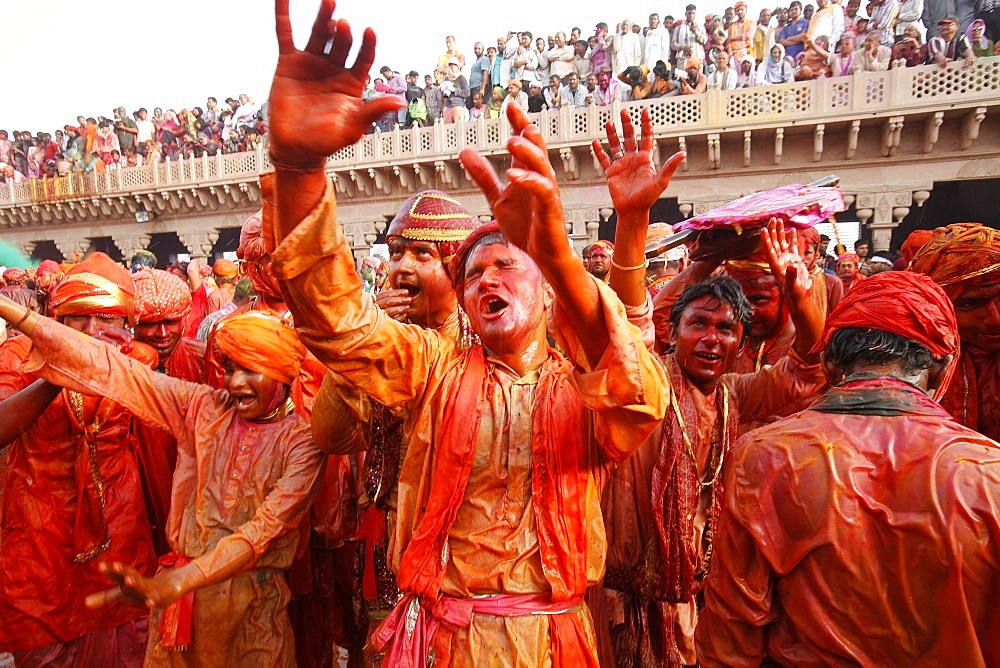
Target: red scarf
{"type": "Point", "coordinates": [560, 468]}
{"type": "Point", "coordinates": [675, 481]}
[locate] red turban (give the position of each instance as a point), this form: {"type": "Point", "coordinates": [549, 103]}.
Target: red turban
{"type": "Point", "coordinates": [808, 235]}
{"type": "Point", "coordinates": [849, 257]}
{"type": "Point", "coordinates": [48, 267]}
{"type": "Point", "coordinates": [160, 295]}
{"type": "Point", "coordinates": [97, 286]}
{"type": "Point", "coordinates": [432, 215]}
{"type": "Point", "coordinates": [262, 343]}
{"type": "Point", "coordinates": [253, 251]}
{"type": "Point", "coordinates": [898, 302]}
{"type": "Point", "coordinates": [914, 243]}
{"type": "Point", "coordinates": [960, 257]}
{"type": "Point", "coordinates": [14, 276]}
{"type": "Point", "coordinates": [457, 265]}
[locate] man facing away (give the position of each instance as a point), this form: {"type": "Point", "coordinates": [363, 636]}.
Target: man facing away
{"type": "Point", "coordinates": [862, 530]}
{"type": "Point", "coordinates": [499, 529]}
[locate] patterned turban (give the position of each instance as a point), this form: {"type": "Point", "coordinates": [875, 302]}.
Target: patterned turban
{"type": "Point", "coordinates": [432, 215]}
{"type": "Point", "coordinates": [898, 302]}
{"type": "Point", "coordinates": [14, 276]}
{"type": "Point", "coordinates": [262, 343]}
{"type": "Point", "coordinates": [159, 295]}
{"type": "Point", "coordinates": [605, 244]}
{"type": "Point", "coordinates": [960, 257]}
{"type": "Point", "coordinates": [97, 286]}
{"type": "Point", "coordinates": [225, 269]}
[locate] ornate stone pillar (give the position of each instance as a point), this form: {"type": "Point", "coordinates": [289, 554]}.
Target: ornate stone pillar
{"type": "Point", "coordinates": [198, 243]}
{"type": "Point", "coordinates": [72, 244]}
{"type": "Point", "coordinates": [130, 242]}
{"type": "Point", "coordinates": [886, 210]}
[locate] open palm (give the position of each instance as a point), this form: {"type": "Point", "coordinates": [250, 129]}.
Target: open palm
{"type": "Point", "coordinates": [315, 105]}
{"type": "Point", "coordinates": [633, 180]}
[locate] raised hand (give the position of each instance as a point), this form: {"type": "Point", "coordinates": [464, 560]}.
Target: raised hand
{"type": "Point", "coordinates": [315, 105]}
{"type": "Point", "coordinates": [528, 208]}
{"type": "Point", "coordinates": [787, 266]}
{"type": "Point", "coordinates": [633, 180]}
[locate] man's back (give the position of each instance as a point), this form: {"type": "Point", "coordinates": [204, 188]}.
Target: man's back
{"type": "Point", "coordinates": [863, 530]}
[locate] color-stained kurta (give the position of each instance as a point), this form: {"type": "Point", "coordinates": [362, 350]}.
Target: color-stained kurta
{"type": "Point", "coordinates": [493, 544]}
{"type": "Point", "coordinates": [51, 513]}
{"type": "Point", "coordinates": [235, 481]}
{"type": "Point", "coordinates": [628, 510]}
{"type": "Point", "coordinates": [860, 532]}
{"type": "Point", "coordinates": [157, 450]}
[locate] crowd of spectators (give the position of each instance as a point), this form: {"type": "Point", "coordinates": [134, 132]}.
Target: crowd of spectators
{"type": "Point", "coordinates": [680, 56]}
{"type": "Point", "coordinates": [129, 140]}
{"type": "Point", "coordinates": [675, 56]}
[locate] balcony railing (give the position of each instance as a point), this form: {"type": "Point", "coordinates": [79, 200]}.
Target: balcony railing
{"type": "Point", "coordinates": [898, 91]}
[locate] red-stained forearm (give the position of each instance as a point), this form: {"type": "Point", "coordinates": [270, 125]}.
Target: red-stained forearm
{"type": "Point", "coordinates": [577, 295]}
{"type": "Point", "coordinates": [809, 321]}
{"type": "Point", "coordinates": [630, 247]}
{"type": "Point", "coordinates": [296, 194]}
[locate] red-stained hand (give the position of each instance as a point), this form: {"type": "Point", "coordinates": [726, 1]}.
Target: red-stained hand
{"type": "Point", "coordinates": [315, 106]}
{"type": "Point", "coordinates": [633, 180]}
{"type": "Point", "coordinates": [131, 588]}
{"type": "Point", "coordinates": [121, 339]}
{"type": "Point", "coordinates": [396, 303]}
{"type": "Point", "coordinates": [528, 208]}
{"type": "Point", "coordinates": [787, 266]}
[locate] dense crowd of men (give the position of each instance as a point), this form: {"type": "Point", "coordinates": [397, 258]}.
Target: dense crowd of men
{"type": "Point", "coordinates": [489, 452]}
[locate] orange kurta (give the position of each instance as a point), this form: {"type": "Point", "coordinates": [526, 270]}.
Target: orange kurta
{"type": "Point", "coordinates": [494, 547]}
{"type": "Point", "coordinates": [235, 481]}
{"type": "Point", "coordinates": [859, 534]}
{"type": "Point", "coordinates": [45, 522]}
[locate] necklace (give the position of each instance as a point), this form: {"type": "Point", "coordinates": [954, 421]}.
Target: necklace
{"type": "Point", "coordinates": [719, 453]}
{"type": "Point", "coordinates": [90, 439]}
{"type": "Point", "coordinates": [281, 412]}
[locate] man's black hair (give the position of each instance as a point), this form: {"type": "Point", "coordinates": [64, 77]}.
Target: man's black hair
{"type": "Point", "coordinates": [723, 288]}
{"type": "Point", "coordinates": [853, 346]}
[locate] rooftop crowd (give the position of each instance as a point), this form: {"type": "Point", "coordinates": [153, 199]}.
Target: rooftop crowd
{"type": "Point", "coordinates": [672, 56]}
{"type": "Point", "coordinates": [489, 451]}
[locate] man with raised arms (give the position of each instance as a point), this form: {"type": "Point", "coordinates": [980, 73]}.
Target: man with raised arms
{"type": "Point", "coordinates": [499, 528]}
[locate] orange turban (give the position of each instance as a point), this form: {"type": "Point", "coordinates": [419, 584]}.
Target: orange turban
{"type": "Point", "coordinates": [914, 243]}
{"type": "Point", "coordinates": [898, 302]}
{"type": "Point", "coordinates": [960, 257]}
{"type": "Point", "coordinates": [97, 286]}
{"type": "Point", "coordinates": [225, 269]}
{"type": "Point", "coordinates": [159, 295]}
{"type": "Point", "coordinates": [262, 343]}
{"type": "Point", "coordinates": [849, 257]}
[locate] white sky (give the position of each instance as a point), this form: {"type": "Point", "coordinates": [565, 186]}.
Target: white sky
{"type": "Point", "coordinates": [64, 58]}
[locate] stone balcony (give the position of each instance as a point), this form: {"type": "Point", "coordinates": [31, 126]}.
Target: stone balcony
{"type": "Point", "coordinates": [879, 131]}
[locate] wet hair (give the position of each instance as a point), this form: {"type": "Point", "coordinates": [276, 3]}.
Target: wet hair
{"type": "Point", "coordinates": [723, 288]}
{"type": "Point", "coordinates": [854, 346]}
